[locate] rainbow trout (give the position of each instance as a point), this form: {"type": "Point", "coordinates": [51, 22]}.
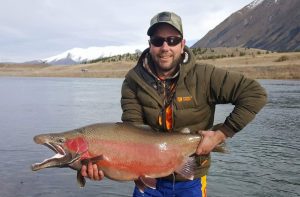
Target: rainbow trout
{"type": "Point", "coordinates": [123, 152]}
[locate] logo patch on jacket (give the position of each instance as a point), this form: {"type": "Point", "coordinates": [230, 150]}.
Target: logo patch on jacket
{"type": "Point", "coordinates": [184, 99]}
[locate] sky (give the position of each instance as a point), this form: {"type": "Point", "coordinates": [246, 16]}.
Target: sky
{"type": "Point", "coordinates": [38, 29]}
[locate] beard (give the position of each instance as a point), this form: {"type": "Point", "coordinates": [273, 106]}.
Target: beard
{"type": "Point", "coordinates": [161, 66]}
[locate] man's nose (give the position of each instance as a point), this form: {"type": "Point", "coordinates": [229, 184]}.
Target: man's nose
{"type": "Point", "coordinates": [165, 46]}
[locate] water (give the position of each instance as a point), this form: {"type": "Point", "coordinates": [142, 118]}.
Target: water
{"type": "Point", "coordinates": [264, 158]}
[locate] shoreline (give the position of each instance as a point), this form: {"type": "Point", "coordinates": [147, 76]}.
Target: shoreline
{"type": "Point", "coordinates": [265, 66]}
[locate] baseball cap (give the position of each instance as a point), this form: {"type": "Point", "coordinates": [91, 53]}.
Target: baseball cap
{"type": "Point", "coordinates": [165, 17]}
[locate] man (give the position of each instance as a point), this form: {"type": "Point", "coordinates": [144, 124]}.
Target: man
{"type": "Point", "coordinates": [169, 91]}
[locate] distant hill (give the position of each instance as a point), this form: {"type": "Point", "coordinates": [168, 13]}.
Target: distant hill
{"type": "Point", "coordinates": [264, 24]}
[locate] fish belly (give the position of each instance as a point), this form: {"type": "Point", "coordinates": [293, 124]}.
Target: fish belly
{"type": "Point", "coordinates": [129, 161]}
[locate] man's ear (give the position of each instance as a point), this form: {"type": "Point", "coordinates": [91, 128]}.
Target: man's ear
{"type": "Point", "coordinates": [182, 45]}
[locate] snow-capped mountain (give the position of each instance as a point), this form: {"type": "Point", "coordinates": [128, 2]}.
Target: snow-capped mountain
{"type": "Point", "coordinates": [253, 4]}
{"type": "Point", "coordinates": [79, 55]}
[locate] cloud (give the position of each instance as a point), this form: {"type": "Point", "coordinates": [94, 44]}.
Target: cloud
{"type": "Point", "coordinates": [36, 29]}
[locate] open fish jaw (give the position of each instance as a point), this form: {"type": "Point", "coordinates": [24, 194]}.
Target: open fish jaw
{"type": "Point", "coordinates": [60, 159]}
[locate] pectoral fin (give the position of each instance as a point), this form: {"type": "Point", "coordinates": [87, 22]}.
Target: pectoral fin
{"type": "Point", "coordinates": [80, 179]}
{"type": "Point", "coordinates": [93, 159]}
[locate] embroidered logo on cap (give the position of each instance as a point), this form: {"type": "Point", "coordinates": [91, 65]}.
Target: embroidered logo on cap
{"type": "Point", "coordinates": [164, 16]}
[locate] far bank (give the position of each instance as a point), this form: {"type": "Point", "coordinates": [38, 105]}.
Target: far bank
{"type": "Point", "coordinates": [262, 66]}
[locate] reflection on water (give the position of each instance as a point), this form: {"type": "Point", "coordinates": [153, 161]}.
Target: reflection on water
{"type": "Point", "coordinates": [263, 159]}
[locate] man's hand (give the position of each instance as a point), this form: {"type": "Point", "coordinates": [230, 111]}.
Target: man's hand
{"type": "Point", "coordinates": [209, 141]}
{"type": "Point", "coordinates": [91, 171]}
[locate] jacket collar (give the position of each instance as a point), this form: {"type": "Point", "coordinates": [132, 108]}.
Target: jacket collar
{"type": "Point", "coordinates": [135, 74]}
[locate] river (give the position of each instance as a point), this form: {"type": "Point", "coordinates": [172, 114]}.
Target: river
{"type": "Point", "coordinates": [263, 159]}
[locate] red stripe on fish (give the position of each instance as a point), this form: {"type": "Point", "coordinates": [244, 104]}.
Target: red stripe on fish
{"type": "Point", "coordinates": [137, 158]}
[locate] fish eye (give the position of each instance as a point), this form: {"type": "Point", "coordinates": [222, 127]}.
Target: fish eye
{"type": "Point", "coordinates": [61, 140]}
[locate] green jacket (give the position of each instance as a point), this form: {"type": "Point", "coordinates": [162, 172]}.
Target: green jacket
{"type": "Point", "coordinates": [200, 87]}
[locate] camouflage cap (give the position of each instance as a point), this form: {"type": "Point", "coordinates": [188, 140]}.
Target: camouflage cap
{"type": "Point", "coordinates": [165, 17]}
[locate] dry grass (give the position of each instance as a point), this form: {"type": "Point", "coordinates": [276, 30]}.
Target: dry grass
{"type": "Point", "coordinates": [264, 66]}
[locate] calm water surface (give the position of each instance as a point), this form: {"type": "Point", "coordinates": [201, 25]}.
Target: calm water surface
{"type": "Point", "coordinates": [264, 158]}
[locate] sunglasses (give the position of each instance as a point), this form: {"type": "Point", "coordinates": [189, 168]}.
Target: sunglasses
{"type": "Point", "coordinates": [171, 40]}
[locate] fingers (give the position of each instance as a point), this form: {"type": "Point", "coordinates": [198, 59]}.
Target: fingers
{"type": "Point", "coordinates": [206, 133]}
{"type": "Point", "coordinates": [101, 174]}
{"type": "Point", "coordinates": [206, 144]}
{"type": "Point", "coordinates": [95, 172]}
{"type": "Point", "coordinates": [210, 139]}
{"type": "Point", "coordinates": [91, 171]}
{"type": "Point", "coordinates": [83, 171]}
{"type": "Point", "coordinates": [202, 151]}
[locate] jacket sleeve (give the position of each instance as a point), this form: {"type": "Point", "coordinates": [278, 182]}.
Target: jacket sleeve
{"type": "Point", "coordinates": [247, 95]}
{"type": "Point", "coordinates": [132, 109]}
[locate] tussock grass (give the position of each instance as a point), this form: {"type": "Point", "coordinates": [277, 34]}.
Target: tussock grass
{"type": "Point", "coordinates": [282, 58]}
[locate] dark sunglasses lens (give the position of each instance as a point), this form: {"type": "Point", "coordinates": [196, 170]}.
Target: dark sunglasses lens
{"type": "Point", "coordinates": [173, 41]}
{"type": "Point", "coordinates": [159, 41]}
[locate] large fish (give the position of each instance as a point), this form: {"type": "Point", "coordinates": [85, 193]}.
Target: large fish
{"type": "Point", "coordinates": [123, 152]}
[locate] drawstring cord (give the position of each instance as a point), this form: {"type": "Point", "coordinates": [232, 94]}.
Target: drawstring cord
{"type": "Point", "coordinates": [173, 184]}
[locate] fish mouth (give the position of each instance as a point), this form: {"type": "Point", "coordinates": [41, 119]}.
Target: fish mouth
{"type": "Point", "coordinates": [62, 158]}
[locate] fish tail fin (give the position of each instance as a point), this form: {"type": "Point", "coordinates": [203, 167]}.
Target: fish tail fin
{"type": "Point", "coordinates": [187, 170]}
{"type": "Point", "coordinates": [221, 148]}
